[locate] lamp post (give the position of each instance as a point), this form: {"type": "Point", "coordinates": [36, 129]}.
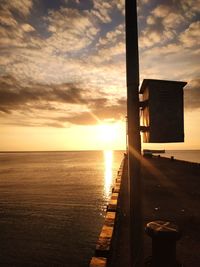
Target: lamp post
{"type": "Point", "coordinates": [134, 143]}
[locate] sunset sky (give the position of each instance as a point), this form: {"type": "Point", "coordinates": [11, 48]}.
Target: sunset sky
{"type": "Point", "coordinates": [62, 70]}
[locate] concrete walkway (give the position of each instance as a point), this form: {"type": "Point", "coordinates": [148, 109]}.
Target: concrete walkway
{"type": "Point", "coordinates": [172, 193]}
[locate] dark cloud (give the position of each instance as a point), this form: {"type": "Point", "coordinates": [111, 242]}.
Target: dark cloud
{"type": "Point", "coordinates": [192, 95]}
{"type": "Point", "coordinates": [36, 98]}
{"type": "Point", "coordinates": [39, 97]}
{"type": "Point", "coordinates": [97, 103]}
{"type": "Point", "coordinates": [4, 110]}
{"type": "Point", "coordinates": [14, 95]}
{"type": "Point", "coordinates": [99, 113]}
{"type": "Point", "coordinates": [122, 102]}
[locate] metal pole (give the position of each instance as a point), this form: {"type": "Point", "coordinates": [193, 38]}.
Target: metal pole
{"type": "Point", "coordinates": [134, 143]}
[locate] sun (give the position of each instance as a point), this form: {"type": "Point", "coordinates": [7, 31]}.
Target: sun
{"type": "Point", "coordinates": [107, 132]}
{"type": "Point", "coordinates": [107, 135]}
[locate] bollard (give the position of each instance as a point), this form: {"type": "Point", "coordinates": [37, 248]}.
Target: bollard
{"type": "Point", "coordinates": [164, 236]}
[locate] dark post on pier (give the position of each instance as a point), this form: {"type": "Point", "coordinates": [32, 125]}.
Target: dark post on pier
{"type": "Point", "coordinates": [134, 144]}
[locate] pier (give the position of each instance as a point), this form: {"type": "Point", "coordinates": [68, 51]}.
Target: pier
{"type": "Point", "coordinates": [171, 193]}
{"type": "Point", "coordinates": [155, 195]}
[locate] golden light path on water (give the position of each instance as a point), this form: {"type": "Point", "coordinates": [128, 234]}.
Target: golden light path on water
{"type": "Point", "coordinates": [108, 162]}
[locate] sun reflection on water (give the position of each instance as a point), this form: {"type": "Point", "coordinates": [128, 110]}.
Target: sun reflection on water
{"type": "Point", "coordinates": [108, 161]}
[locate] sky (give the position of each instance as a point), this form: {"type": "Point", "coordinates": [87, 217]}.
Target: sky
{"type": "Point", "coordinates": [63, 76]}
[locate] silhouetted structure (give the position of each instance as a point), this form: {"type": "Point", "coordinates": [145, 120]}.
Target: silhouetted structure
{"type": "Point", "coordinates": [134, 143]}
{"type": "Point", "coordinates": [162, 111]}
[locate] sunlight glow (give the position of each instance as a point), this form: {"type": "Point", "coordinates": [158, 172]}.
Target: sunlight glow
{"type": "Point", "coordinates": [108, 161]}
{"type": "Point", "coordinates": [92, 137]}
{"type": "Point", "coordinates": [109, 134]}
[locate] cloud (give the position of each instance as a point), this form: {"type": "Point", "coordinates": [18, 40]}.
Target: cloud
{"type": "Point", "coordinates": [112, 112]}
{"type": "Point", "coordinates": [190, 7]}
{"type": "Point", "coordinates": [68, 51]}
{"type": "Point", "coordinates": [102, 10]}
{"type": "Point", "coordinates": [166, 61]}
{"type": "Point", "coordinates": [68, 66]}
{"type": "Point", "coordinates": [6, 18]}
{"type": "Point", "coordinates": [27, 27]}
{"type": "Point", "coordinates": [161, 11]}
{"type": "Point", "coordinates": [99, 114]}
{"type": "Point", "coordinates": [70, 29]}
{"type": "Point", "coordinates": [51, 101]}
{"type": "Point", "coordinates": [112, 37]}
{"type": "Point", "coordinates": [14, 32]}
{"type": "Point", "coordinates": [83, 118]}
{"type": "Point", "coordinates": [166, 20]}
{"type": "Point", "coordinates": [161, 26]}
{"type": "Point", "coordinates": [22, 7]}
{"type": "Point", "coordinates": [190, 37]}
{"type": "Point", "coordinates": [187, 8]}
{"type": "Point", "coordinates": [121, 6]}
{"type": "Point", "coordinates": [13, 93]}
{"type": "Point", "coordinates": [110, 53]}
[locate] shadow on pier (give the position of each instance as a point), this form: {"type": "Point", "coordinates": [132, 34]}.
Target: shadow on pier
{"type": "Point", "coordinates": [172, 193]}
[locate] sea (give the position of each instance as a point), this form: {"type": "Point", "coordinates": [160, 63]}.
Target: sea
{"type": "Point", "coordinates": [52, 204]}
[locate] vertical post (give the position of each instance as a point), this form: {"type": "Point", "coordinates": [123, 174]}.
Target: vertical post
{"type": "Point", "coordinates": [134, 143]}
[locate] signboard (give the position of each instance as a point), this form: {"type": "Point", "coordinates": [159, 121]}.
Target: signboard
{"type": "Point", "coordinates": [162, 111]}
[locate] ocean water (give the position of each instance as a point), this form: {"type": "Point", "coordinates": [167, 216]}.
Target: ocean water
{"type": "Point", "coordinates": [187, 155]}
{"type": "Point", "coordinates": [52, 206]}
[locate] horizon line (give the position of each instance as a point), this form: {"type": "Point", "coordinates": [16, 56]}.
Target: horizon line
{"type": "Point", "coordinates": [81, 150]}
